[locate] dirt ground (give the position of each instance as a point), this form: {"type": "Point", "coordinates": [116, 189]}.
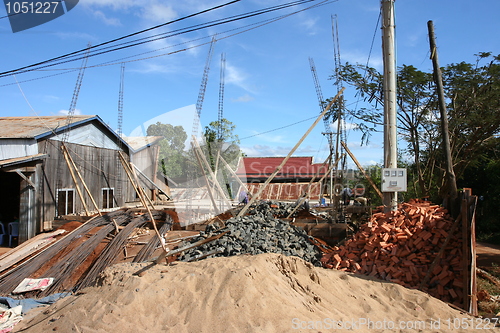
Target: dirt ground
{"type": "Point", "coordinates": [488, 255]}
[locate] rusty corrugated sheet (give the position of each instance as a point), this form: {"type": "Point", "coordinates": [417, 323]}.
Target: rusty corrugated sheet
{"type": "Point", "coordinates": [284, 191]}
{"type": "Point", "coordinates": [31, 127]}
{"type": "Point", "coordinates": [139, 142]}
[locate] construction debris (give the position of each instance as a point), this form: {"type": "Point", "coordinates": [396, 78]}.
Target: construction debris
{"type": "Point", "coordinates": [401, 246]}
{"type": "Point", "coordinates": [76, 260]}
{"type": "Point", "coordinates": [255, 234]}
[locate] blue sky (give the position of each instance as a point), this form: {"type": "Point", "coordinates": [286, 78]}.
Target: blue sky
{"type": "Point", "coordinates": [268, 81]}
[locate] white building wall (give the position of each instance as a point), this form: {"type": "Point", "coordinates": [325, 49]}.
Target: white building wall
{"type": "Point", "coordinates": [13, 148]}
{"type": "Point", "coordinates": [89, 135]}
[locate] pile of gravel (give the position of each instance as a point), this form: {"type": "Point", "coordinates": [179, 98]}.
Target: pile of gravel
{"type": "Point", "coordinates": [255, 234]}
{"type": "Point", "coordinates": [272, 208]}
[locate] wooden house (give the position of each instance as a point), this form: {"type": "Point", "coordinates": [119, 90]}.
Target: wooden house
{"type": "Point", "coordinates": [36, 184]}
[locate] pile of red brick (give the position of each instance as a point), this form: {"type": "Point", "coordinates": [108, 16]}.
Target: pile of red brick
{"type": "Point", "coordinates": [400, 247]}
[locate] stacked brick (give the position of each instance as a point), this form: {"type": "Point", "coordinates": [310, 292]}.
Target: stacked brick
{"type": "Point", "coordinates": [400, 247]}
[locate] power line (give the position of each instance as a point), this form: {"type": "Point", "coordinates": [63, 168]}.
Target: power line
{"type": "Point", "coordinates": [126, 36]}
{"type": "Point", "coordinates": [282, 127]}
{"type": "Point", "coordinates": [120, 60]}
{"type": "Point", "coordinates": [72, 55]}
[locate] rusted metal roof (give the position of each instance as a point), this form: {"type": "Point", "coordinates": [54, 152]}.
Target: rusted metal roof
{"type": "Point", "coordinates": [295, 167]}
{"type": "Point", "coordinates": [139, 142]}
{"type": "Point", "coordinates": [19, 160]}
{"type": "Point", "coordinates": [34, 127]}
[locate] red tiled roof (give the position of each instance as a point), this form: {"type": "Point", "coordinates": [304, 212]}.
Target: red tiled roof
{"type": "Point", "coordinates": [263, 167]}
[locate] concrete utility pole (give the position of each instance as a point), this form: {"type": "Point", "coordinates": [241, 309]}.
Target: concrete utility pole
{"type": "Point", "coordinates": [390, 133]}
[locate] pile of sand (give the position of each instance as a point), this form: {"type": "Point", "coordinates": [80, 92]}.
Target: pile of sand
{"type": "Point", "coordinates": [262, 293]}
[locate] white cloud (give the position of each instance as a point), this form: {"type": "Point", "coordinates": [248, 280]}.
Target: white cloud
{"type": "Point", "coordinates": [158, 13]}
{"type": "Point", "coordinates": [114, 4]}
{"type": "Point", "coordinates": [236, 76]}
{"type": "Point", "coordinates": [75, 35]}
{"type": "Point", "coordinates": [50, 98]}
{"type": "Point", "coordinates": [346, 126]}
{"type": "Point", "coordinates": [152, 67]}
{"type": "Point", "coordinates": [66, 112]}
{"type": "Point", "coordinates": [243, 99]}
{"type": "Point", "coordinates": [357, 57]}
{"type": "Point", "coordinates": [309, 24]}
{"type": "Point", "coordinates": [106, 20]}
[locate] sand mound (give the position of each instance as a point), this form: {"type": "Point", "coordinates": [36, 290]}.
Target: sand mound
{"type": "Point", "coordinates": [262, 293]}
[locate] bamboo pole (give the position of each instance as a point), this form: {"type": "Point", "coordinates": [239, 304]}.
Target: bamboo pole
{"type": "Point", "coordinates": [80, 194]}
{"type": "Point", "coordinates": [306, 191]}
{"type": "Point", "coordinates": [228, 167]}
{"type": "Point", "coordinates": [214, 177]}
{"type": "Point", "coordinates": [83, 183]}
{"type": "Point", "coordinates": [362, 170]}
{"type": "Point", "coordinates": [209, 189]}
{"type": "Point", "coordinates": [261, 189]}
{"type": "Point", "coordinates": [129, 172]}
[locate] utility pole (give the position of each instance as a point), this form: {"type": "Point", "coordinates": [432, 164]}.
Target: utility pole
{"type": "Point", "coordinates": [451, 183]}
{"type": "Point", "coordinates": [390, 133]}
{"type": "Point", "coordinates": [330, 194]}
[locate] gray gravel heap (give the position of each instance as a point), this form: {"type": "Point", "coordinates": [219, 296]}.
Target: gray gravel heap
{"type": "Point", "coordinates": [255, 234]}
{"type": "Point", "coordinates": [272, 208]}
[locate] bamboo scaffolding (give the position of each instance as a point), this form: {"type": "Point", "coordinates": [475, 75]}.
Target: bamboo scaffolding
{"type": "Point", "coordinates": [362, 170]}
{"type": "Point", "coordinates": [259, 192]}
{"type": "Point", "coordinates": [71, 171]}
{"type": "Point", "coordinates": [83, 181]}
{"type": "Point", "coordinates": [306, 191]}
{"type": "Point", "coordinates": [210, 172]}
{"type": "Point", "coordinates": [138, 189]}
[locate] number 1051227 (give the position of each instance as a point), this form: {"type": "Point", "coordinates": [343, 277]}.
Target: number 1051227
{"type": "Point", "coordinates": [24, 7]}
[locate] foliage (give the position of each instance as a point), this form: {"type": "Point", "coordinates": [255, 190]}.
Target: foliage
{"type": "Point", "coordinates": [483, 176]}
{"type": "Point", "coordinates": [220, 139]}
{"type": "Point", "coordinates": [221, 143]}
{"type": "Point", "coordinates": [172, 159]}
{"type": "Point", "coordinates": [473, 97]}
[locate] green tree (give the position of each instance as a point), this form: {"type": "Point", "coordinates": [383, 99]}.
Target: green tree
{"type": "Point", "coordinates": [172, 159]}
{"type": "Point", "coordinates": [220, 139]}
{"type": "Point", "coordinates": [221, 142]}
{"type": "Point", "coordinates": [473, 96]}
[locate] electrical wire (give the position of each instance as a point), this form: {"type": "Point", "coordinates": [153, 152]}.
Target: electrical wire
{"type": "Point", "coordinates": [247, 28]}
{"type": "Point", "coordinates": [71, 56]}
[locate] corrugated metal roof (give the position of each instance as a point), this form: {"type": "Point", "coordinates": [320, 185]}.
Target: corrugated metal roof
{"type": "Point", "coordinates": [295, 167]}
{"type": "Point", "coordinates": [33, 127]}
{"type": "Point", "coordinates": [139, 142]}
{"type": "Point", "coordinates": [19, 160]}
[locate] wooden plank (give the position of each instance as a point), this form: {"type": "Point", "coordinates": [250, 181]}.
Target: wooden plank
{"type": "Point", "coordinates": [27, 248]}
{"type": "Point", "coordinates": [362, 170]}
{"type": "Point", "coordinates": [70, 167]}
{"type": "Point", "coordinates": [473, 309]}
{"type": "Point", "coordinates": [465, 252]}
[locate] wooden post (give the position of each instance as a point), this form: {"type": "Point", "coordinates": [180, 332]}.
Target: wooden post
{"type": "Point", "coordinates": [473, 277]}
{"type": "Point", "coordinates": [80, 194]}
{"type": "Point", "coordinates": [306, 191]}
{"type": "Point", "coordinates": [83, 182]}
{"type": "Point", "coordinates": [451, 184]}
{"type": "Point", "coordinates": [465, 252]}
{"type": "Point", "coordinates": [278, 168]}
{"type": "Point", "coordinates": [209, 189]}
{"type": "Point", "coordinates": [228, 167]}
{"type": "Point", "coordinates": [214, 177]}
{"type": "Point", "coordinates": [138, 189]}
{"type": "Point", "coordinates": [362, 170]}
